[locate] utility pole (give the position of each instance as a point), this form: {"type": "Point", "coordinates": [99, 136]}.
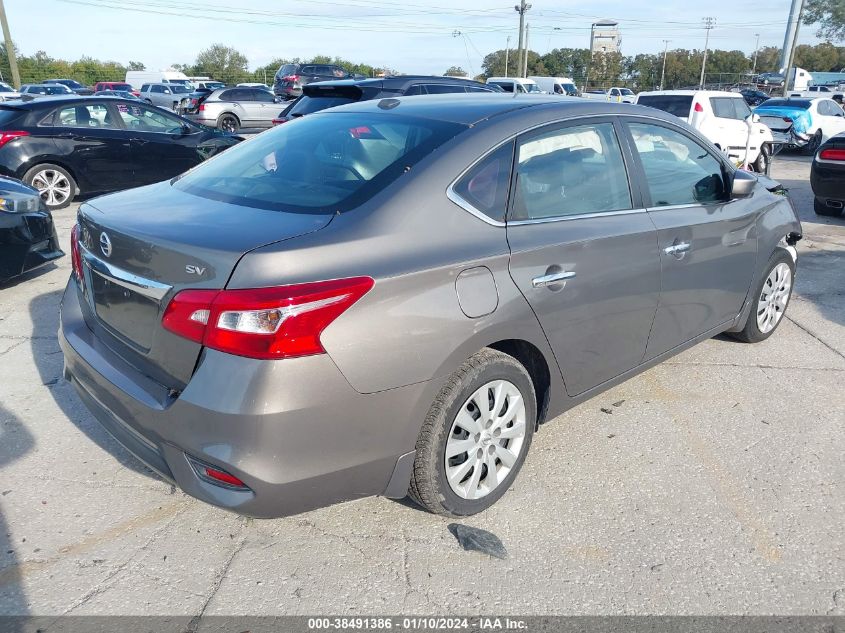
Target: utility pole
{"type": "Point", "coordinates": [709, 23]}
{"type": "Point", "coordinates": [507, 53]}
{"type": "Point", "coordinates": [663, 72]}
{"type": "Point", "coordinates": [521, 8]}
{"type": "Point", "coordinates": [790, 52]}
{"type": "Point", "coordinates": [10, 48]}
{"type": "Point", "coordinates": [756, 48]}
{"type": "Point", "coordinates": [525, 56]}
{"type": "Point", "coordinates": [789, 35]}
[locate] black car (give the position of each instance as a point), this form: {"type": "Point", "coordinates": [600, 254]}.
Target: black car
{"type": "Point", "coordinates": [77, 87]}
{"type": "Point", "coordinates": [827, 177]}
{"type": "Point", "coordinates": [327, 94]}
{"type": "Point", "coordinates": [27, 235]}
{"type": "Point", "coordinates": [66, 146]}
{"type": "Point", "coordinates": [770, 79]}
{"type": "Point", "coordinates": [754, 97]}
{"type": "Point", "coordinates": [290, 78]}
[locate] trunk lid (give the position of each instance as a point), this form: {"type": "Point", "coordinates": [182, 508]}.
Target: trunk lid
{"type": "Point", "coordinates": [143, 246]}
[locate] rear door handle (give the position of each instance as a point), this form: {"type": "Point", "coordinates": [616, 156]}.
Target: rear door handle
{"type": "Point", "coordinates": [674, 249]}
{"type": "Point", "coordinates": [548, 280]}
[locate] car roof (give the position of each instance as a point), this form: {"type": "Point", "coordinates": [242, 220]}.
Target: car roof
{"type": "Point", "coordinates": [471, 108]}
{"type": "Point", "coordinates": [692, 93]}
{"type": "Point", "coordinates": [398, 79]}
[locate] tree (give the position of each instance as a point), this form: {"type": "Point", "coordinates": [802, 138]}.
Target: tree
{"type": "Point", "coordinates": [829, 15]}
{"type": "Point", "coordinates": [455, 71]}
{"type": "Point", "coordinates": [222, 63]}
{"type": "Point", "coordinates": [567, 62]}
{"type": "Point", "coordinates": [136, 66]}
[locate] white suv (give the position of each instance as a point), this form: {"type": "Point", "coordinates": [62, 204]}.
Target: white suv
{"type": "Point", "coordinates": [722, 117]}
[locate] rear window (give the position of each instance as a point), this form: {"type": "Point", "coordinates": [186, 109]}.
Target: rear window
{"type": "Point", "coordinates": [124, 87]}
{"type": "Point", "coordinates": [309, 105]}
{"type": "Point", "coordinates": [679, 105]}
{"type": "Point", "coordinates": [803, 104]}
{"type": "Point", "coordinates": [287, 69]}
{"type": "Point", "coordinates": [318, 164]}
{"type": "Point", "coordinates": [8, 116]}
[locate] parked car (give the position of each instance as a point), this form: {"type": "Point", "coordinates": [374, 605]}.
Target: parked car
{"type": "Point", "coordinates": [45, 90]}
{"type": "Point", "coordinates": [88, 145]}
{"type": "Point", "coordinates": [770, 79]}
{"type": "Point", "coordinates": [370, 301]}
{"type": "Point", "coordinates": [27, 235]}
{"type": "Point", "coordinates": [137, 78]}
{"type": "Point", "coordinates": [328, 94]}
{"type": "Point", "coordinates": [208, 86]}
{"type": "Point", "coordinates": [616, 95]}
{"type": "Point", "coordinates": [754, 97]}
{"type": "Point", "coordinates": [722, 117]}
{"type": "Point", "coordinates": [290, 78]}
{"type": "Point", "coordinates": [515, 84]}
{"type": "Point", "coordinates": [123, 94]}
{"type": "Point", "coordinates": [253, 84]}
{"type": "Point", "coordinates": [74, 86]}
{"type": "Point", "coordinates": [122, 86]}
{"type": "Point", "coordinates": [802, 123]}
{"type": "Point", "coordinates": [557, 85]}
{"type": "Point", "coordinates": [230, 109]}
{"type": "Point", "coordinates": [164, 95]}
{"type": "Point", "coordinates": [827, 177]}
{"type": "Point", "coordinates": [7, 93]}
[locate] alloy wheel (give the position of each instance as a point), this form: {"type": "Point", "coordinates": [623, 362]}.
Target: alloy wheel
{"type": "Point", "coordinates": [774, 297]}
{"type": "Point", "coordinates": [228, 124]}
{"type": "Point", "coordinates": [53, 185]}
{"type": "Point", "coordinates": [486, 439]}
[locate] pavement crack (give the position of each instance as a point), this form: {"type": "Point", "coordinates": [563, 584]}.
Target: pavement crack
{"type": "Point", "coordinates": [193, 625]}
{"type": "Point", "coordinates": [752, 366]}
{"type": "Point", "coordinates": [827, 345]}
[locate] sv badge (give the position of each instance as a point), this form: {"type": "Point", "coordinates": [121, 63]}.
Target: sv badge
{"type": "Point", "coordinates": [194, 270]}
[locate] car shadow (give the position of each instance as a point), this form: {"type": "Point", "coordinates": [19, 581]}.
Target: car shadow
{"type": "Point", "coordinates": [28, 275]}
{"type": "Point", "coordinates": [44, 314]}
{"type": "Point", "coordinates": [15, 442]}
{"type": "Point", "coordinates": [819, 281]}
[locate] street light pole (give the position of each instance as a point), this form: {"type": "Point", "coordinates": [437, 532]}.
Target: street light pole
{"type": "Point", "coordinates": [521, 8]}
{"type": "Point", "coordinates": [507, 53]}
{"type": "Point", "coordinates": [709, 23]}
{"type": "Point", "coordinates": [663, 72]}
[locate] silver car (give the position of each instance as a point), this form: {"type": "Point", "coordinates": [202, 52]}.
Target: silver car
{"type": "Point", "coordinates": [230, 109]}
{"type": "Point", "coordinates": [164, 95]}
{"type": "Point", "coordinates": [391, 296]}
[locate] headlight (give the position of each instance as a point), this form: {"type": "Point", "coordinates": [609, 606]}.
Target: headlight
{"type": "Point", "coordinates": [19, 202]}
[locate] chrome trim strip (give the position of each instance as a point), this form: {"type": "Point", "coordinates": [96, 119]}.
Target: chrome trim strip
{"type": "Point", "coordinates": [136, 283]}
{"type": "Point", "coordinates": [580, 216]}
{"type": "Point", "coordinates": [548, 280]}
{"type": "Point", "coordinates": [466, 206]}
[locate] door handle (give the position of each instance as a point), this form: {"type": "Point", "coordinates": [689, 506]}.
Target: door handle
{"type": "Point", "coordinates": [548, 280]}
{"type": "Point", "coordinates": [675, 249]}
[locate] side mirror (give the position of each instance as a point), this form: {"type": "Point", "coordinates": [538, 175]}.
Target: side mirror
{"type": "Point", "coordinates": [743, 184]}
{"type": "Point", "coordinates": [167, 91]}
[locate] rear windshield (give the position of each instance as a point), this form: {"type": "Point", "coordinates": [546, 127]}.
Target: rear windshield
{"type": "Point", "coordinates": [7, 116]}
{"type": "Point", "coordinates": [287, 69]}
{"type": "Point", "coordinates": [323, 163]}
{"type": "Point", "coordinates": [309, 105]}
{"type": "Point", "coordinates": [679, 105]}
{"type": "Point", "coordinates": [803, 104]}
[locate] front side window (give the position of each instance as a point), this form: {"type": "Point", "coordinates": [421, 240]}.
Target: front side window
{"type": "Point", "coordinates": [263, 96]}
{"type": "Point", "coordinates": [144, 119]}
{"type": "Point", "coordinates": [485, 186]}
{"type": "Point", "coordinates": [442, 89]}
{"type": "Point", "coordinates": [570, 171]}
{"type": "Point", "coordinates": [677, 170]}
{"type": "Point", "coordinates": [84, 116]}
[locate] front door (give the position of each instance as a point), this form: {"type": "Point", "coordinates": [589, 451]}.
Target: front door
{"type": "Point", "coordinates": [583, 250]}
{"type": "Point", "coordinates": [708, 242]}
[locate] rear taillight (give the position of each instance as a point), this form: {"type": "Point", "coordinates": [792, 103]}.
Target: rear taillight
{"type": "Point", "coordinates": [279, 121]}
{"type": "Point", "coordinates": [787, 119]}
{"type": "Point", "coordinates": [201, 107]}
{"type": "Point", "coordinates": [76, 254]}
{"type": "Point", "coordinates": [11, 135]}
{"type": "Point", "coordinates": [215, 475]}
{"type": "Point", "coordinates": [832, 154]}
{"type": "Point", "coordinates": [266, 323]}
{"type": "Point", "coordinates": [699, 107]}
{"type": "Point", "coordinates": [291, 78]}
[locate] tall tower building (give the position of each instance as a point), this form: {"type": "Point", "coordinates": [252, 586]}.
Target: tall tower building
{"type": "Point", "coordinates": [604, 37]}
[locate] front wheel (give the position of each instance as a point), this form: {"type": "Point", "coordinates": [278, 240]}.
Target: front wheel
{"type": "Point", "coordinates": [475, 436]}
{"type": "Point", "coordinates": [761, 165]}
{"type": "Point", "coordinates": [771, 299]}
{"type": "Point", "coordinates": [56, 186]}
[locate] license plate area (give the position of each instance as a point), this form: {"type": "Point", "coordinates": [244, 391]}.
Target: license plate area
{"type": "Point", "coordinates": [127, 313]}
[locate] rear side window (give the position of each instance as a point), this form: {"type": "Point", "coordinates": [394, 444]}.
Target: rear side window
{"type": "Point", "coordinates": [414, 91]}
{"type": "Point", "coordinates": [478, 89]}
{"type": "Point", "coordinates": [309, 105]}
{"type": "Point", "coordinates": [8, 116]}
{"type": "Point", "coordinates": [442, 89]}
{"type": "Point", "coordinates": [679, 105]}
{"type": "Point", "coordinates": [723, 107]}
{"type": "Point", "coordinates": [325, 163]}
{"type": "Point", "coordinates": [485, 186]}
{"type": "Point", "coordinates": [506, 86]}
{"type": "Point", "coordinates": [84, 116]}
{"type": "Point", "coordinates": [570, 171]}
{"type": "Point", "coordinates": [287, 69]}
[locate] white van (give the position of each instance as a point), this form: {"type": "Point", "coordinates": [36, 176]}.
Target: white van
{"type": "Point", "coordinates": [557, 85]}
{"type": "Point", "coordinates": [137, 78]}
{"type": "Point", "coordinates": [722, 117]}
{"type": "Point", "coordinates": [515, 84]}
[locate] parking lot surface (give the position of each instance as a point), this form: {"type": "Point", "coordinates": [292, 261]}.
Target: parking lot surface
{"type": "Point", "coordinates": [711, 484]}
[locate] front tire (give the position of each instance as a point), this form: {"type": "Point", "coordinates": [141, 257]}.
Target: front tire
{"type": "Point", "coordinates": [771, 299]}
{"type": "Point", "coordinates": [761, 165]}
{"type": "Point", "coordinates": [56, 186]}
{"type": "Point", "coordinates": [814, 143]}
{"type": "Point", "coordinates": [475, 437]}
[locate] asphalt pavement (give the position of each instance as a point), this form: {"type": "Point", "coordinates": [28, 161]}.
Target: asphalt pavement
{"type": "Point", "coordinates": [711, 484]}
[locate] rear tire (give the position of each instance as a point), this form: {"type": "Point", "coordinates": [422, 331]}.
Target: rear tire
{"type": "Point", "coordinates": [770, 300]}
{"type": "Point", "coordinates": [813, 145]}
{"type": "Point", "coordinates": [56, 186]}
{"type": "Point", "coordinates": [822, 209]}
{"type": "Point", "coordinates": [484, 416]}
{"type": "Point", "coordinates": [228, 123]}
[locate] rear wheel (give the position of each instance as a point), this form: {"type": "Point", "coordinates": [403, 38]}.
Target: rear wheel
{"type": "Point", "coordinates": [813, 145]}
{"type": "Point", "coordinates": [771, 299]}
{"type": "Point", "coordinates": [475, 437]}
{"type": "Point", "coordinates": [56, 186]}
{"type": "Point", "coordinates": [821, 208]}
{"type": "Point", "coordinates": [228, 123]}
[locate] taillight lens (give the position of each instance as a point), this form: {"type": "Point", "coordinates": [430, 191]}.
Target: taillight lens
{"type": "Point", "coordinates": [266, 323]}
{"type": "Point", "coordinates": [201, 107]}
{"type": "Point", "coordinates": [279, 121]}
{"type": "Point", "coordinates": [291, 78]}
{"type": "Point", "coordinates": [832, 154]}
{"type": "Point", "coordinates": [76, 254]}
{"type": "Point", "coordinates": [699, 107]}
{"type": "Point", "coordinates": [787, 119]}
{"type": "Point", "coordinates": [11, 135]}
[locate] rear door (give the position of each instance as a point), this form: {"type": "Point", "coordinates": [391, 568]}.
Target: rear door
{"type": "Point", "coordinates": [583, 249]}
{"type": "Point", "coordinates": [707, 242]}
{"type": "Point", "coordinates": [265, 107]}
{"type": "Point", "coordinates": [832, 118]}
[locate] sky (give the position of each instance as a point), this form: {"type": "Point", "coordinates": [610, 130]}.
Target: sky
{"type": "Point", "coordinates": [414, 36]}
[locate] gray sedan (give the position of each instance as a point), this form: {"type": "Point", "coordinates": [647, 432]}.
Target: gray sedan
{"type": "Point", "coordinates": [230, 109]}
{"type": "Point", "coordinates": [392, 296]}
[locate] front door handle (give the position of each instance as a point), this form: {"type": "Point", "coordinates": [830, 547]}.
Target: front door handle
{"type": "Point", "coordinates": [548, 280]}
{"type": "Point", "coordinates": [677, 249]}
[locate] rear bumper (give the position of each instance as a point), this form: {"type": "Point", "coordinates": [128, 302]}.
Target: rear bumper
{"type": "Point", "coordinates": [27, 241]}
{"type": "Point", "coordinates": [294, 431]}
{"type": "Point", "coordinates": [288, 91]}
{"type": "Point", "coordinates": [828, 182]}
